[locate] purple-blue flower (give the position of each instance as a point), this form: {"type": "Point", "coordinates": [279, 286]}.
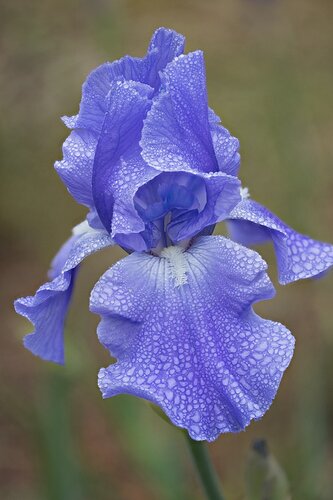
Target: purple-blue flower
{"type": "Point", "coordinates": [157, 171]}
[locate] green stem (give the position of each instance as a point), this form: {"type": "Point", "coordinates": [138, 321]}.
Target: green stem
{"type": "Point", "coordinates": [205, 469]}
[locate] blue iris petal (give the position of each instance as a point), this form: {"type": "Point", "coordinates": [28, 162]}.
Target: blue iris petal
{"type": "Point", "coordinates": [186, 338]}
{"type": "Point", "coordinates": [170, 191]}
{"type": "Point", "coordinates": [47, 309]}
{"type": "Point", "coordinates": [194, 200]}
{"type": "Point", "coordinates": [119, 138]}
{"type": "Point", "coordinates": [165, 45]}
{"type": "Point", "coordinates": [76, 168]}
{"type": "Point", "coordinates": [180, 131]}
{"type": "Point", "coordinates": [298, 256]}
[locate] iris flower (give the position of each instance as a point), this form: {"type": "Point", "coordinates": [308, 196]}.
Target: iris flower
{"type": "Point", "coordinates": [157, 171]}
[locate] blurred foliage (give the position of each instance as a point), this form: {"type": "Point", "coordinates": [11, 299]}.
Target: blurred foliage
{"type": "Point", "coordinates": [270, 77]}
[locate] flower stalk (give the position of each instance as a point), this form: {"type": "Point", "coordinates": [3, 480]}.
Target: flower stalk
{"type": "Point", "coordinates": [205, 469]}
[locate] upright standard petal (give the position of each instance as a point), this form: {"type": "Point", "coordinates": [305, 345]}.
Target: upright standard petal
{"type": "Point", "coordinates": [176, 134]}
{"type": "Point", "coordinates": [298, 256]}
{"type": "Point", "coordinates": [178, 130]}
{"type": "Point", "coordinates": [165, 45]}
{"type": "Point", "coordinates": [186, 338]}
{"type": "Point", "coordinates": [47, 309]}
{"type": "Point", "coordinates": [120, 136]}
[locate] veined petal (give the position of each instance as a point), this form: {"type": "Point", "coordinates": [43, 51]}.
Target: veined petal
{"type": "Point", "coordinates": [120, 135]}
{"type": "Point", "coordinates": [176, 132]}
{"type": "Point", "coordinates": [47, 309]}
{"type": "Point", "coordinates": [61, 257]}
{"type": "Point", "coordinates": [298, 256]}
{"type": "Point", "coordinates": [165, 45]}
{"type": "Point", "coordinates": [195, 200]}
{"type": "Point", "coordinates": [186, 338]}
{"type": "Point", "coordinates": [221, 194]}
{"type": "Point", "coordinates": [178, 129]}
{"type": "Point", "coordinates": [226, 149]}
{"type": "Point", "coordinates": [128, 228]}
{"type": "Point", "coordinates": [76, 168]}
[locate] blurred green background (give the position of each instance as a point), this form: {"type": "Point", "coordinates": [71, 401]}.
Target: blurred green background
{"type": "Point", "coordinates": [270, 78]}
